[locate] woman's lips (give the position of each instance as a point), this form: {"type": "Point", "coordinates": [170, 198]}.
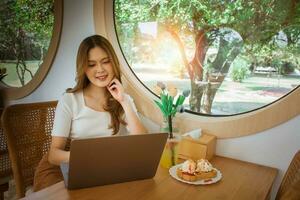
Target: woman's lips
{"type": "Point", "coordinates": [102, 78]}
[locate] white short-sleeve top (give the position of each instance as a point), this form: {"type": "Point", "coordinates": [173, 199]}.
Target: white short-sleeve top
{"type": "Point", "coordinates": [74, 119]}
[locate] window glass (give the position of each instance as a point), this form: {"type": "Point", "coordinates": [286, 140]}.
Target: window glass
{"type": "Point", "coordinates": [26, 31]}
{"type": "Point", "coordinates": [227, 57]}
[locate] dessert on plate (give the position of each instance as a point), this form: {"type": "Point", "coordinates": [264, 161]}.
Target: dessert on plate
{"type": "Point", "coordinates": [205, 170]}
{"type": "Point", "coordinates": [187, 171]}
{"type": "Point", "coordinates": [193, 171]}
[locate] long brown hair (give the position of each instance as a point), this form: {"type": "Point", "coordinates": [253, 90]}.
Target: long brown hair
{"type": "Point", "coordinates": [112, 106]}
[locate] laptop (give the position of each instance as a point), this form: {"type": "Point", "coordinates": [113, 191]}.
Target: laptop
{"type": "Point", "coordinates": [114, 159]}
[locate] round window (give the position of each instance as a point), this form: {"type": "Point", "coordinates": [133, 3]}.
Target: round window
{"type": "Point", "coordinates": [227, 58]}
{"type": "Point", "coordinates": [29, 38]}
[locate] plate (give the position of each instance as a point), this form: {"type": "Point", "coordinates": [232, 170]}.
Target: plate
{"type": "Point", "coordinates": [173, 173]}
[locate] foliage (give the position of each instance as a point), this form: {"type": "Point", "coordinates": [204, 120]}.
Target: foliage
{"type": "Point", "coordinates": [26, 29]}
{"type": "Point", "coordinates": [283, 68]}
{"type": "Point", "coordinates": [167, 105]}
{"type": "Point", "coordinates": [288, 68]}
{"type": "Point", "coordinates": [36, 19]}
{"type": "Point", "coordinates": [257, 24]}
{"type": "Point", "coordinates": [254, 22]}
{"type": "Point", "coordinates": [168, 108]}
{"type": "Point", "coordinates": [239, 73]}
{"type": "Point", "coordinates": [258, 32]}
{"type": "Point", "coordinates": [2, 73]}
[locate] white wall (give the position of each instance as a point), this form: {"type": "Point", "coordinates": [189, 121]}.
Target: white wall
{"type": "Point", "coordinates": [274, 147]}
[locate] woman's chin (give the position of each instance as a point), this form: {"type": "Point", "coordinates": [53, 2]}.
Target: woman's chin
{"type": "Point", "coordinates": [101, 84]}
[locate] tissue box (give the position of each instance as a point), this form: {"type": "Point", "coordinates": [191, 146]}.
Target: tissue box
{"type": "Point", "coordinates": [195, 149]}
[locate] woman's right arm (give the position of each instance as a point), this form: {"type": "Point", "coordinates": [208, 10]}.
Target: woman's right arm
{"type": "Point", "coordinates": [57, 154]}
{"type": "Point", "coordinates": [61, 131]}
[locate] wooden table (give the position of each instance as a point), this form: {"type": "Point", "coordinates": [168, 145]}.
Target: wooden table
{"type": "Point", "coordinates": [241, 180]}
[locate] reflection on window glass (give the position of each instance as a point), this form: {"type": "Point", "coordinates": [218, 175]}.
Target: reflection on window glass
{"type": "Point", "coordinates": [233, 56]}
{"type": "Point", "coordinates": [26, 30]}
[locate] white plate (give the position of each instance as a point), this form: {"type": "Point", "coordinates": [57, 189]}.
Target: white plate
{"type": "Point", "coordinates": [173, 173]}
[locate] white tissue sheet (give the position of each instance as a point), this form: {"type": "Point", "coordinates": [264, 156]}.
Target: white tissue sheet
{"type": "Point", "coordinates": [195, 134]}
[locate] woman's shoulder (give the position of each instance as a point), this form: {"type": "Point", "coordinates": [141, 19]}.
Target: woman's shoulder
{"type": "Point", "coordinates": [70, 97]}
{"type": "Point", "coordinates": [71, 102]}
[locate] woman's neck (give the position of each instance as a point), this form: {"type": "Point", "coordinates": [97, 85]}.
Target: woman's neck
{"type": "Point", "coordinates": [97, 93]}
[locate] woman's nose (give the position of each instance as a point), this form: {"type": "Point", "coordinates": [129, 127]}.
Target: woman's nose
{"type": "Point", "coordinates": [99, 67]}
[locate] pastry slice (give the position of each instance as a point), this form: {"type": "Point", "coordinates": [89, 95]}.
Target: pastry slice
{"type": "Point", "coordinates": [204, 170]}
{"type": "Point", "coordinates": [187, 171]}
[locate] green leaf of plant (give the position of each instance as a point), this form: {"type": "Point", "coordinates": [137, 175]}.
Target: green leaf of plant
{"type": "Point", "coordinates": [163, 102]}
{"type": "Point", "coordinates": [180, 100]}
{"type": "Point", "coordinates": [170, 104]}
{"type": "Point", "coordinates": [164, 99]}
{"type": "Point", "coordinates": [161, 107]}
{"type": "Point", "coordinates": [177, 102]}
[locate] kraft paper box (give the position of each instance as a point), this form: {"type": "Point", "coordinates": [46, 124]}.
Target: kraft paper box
{"type": "Point", "coordinates": [204, 147]}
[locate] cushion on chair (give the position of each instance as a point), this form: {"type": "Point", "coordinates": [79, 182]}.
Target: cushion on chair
{"type": "Point", "coordinates": [46, 174]}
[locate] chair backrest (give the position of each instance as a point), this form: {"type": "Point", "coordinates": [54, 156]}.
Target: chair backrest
{"type": "Point", "coordinates": [28, 131]}
{"type": "Point", "coordinates": [291, 177]}
{"type": "Point", "coordinates": [5, 166]}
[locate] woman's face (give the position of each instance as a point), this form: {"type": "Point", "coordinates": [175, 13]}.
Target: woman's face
{"type": "Point", "coordinates": [99, 70]}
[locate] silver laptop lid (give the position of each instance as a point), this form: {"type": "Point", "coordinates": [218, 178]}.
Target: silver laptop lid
{"type": "Point", "coordinates": [115, 159]}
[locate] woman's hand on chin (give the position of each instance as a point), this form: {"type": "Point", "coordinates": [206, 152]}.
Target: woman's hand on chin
{"type": "Point", "coordinates": [117, 91]}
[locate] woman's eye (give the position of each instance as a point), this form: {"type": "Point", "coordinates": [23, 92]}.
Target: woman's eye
{"type": "Point", "coordinates": [91, 65]}
{"type": "Point", "coordinates": [106, 62]}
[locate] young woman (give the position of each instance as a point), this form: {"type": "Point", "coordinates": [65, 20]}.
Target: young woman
{"type": "Point", "coordinates": [97, 106]}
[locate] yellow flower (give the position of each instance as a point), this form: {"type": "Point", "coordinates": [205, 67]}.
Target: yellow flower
{"type": "Point", "coordinates": [172, 90]}
{"type": "Point", "coordinates": [157, 90]}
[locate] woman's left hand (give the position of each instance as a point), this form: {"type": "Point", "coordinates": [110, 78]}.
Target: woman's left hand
{"type": "Point", "coordinates": [133, 122]}
{"type": "Point", "coordinates": [116, 89]}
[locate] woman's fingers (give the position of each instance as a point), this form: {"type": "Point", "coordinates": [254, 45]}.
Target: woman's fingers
{"type": "Point", "coordinates": [113, 82]}
{"type": "Point", "coordinates": [116, 83]}
{"type": "Point", "coordinates": [113, 88]}
{"type": "Point", "coordinates": [116, 89]}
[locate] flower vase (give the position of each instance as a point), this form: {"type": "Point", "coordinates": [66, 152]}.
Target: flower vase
{"type": "Point", "coordinates": [170, 153]}
{"type": "Point", "coordinates": [168, 126]}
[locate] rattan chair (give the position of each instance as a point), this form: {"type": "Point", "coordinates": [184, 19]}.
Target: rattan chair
{"type": "Point", "coordinates": [27, 128]}
{"type": "Point", "coordinates": [289, 188]}
{"type": "Point", "coordinates": [5, 166]}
